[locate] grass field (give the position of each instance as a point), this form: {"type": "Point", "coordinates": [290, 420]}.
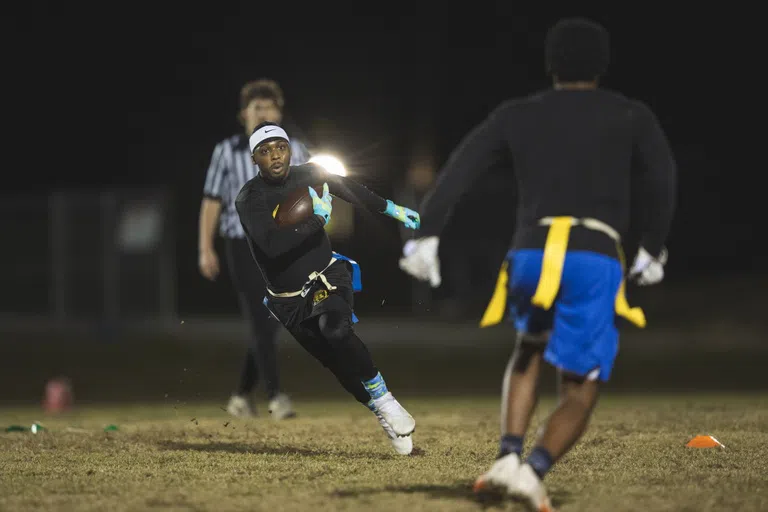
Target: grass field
{"type": "Point", "coordinates": [334, 456]}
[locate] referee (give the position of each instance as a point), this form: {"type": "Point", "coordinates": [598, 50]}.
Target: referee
{"type": "Point", "coordinates": [230, 168]}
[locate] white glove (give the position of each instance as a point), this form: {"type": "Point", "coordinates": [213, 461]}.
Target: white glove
{"type": "Point", "coordinates": [647, 270]}
{"type": "Point", "coordinates": [420, 260]}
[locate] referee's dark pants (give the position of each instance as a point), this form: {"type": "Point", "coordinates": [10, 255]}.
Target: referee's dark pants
{"type": "Point", "coordinates": [261, 356]}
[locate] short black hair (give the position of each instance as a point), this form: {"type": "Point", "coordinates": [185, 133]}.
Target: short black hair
{"type": "Point", "coordinates": [577, 49]}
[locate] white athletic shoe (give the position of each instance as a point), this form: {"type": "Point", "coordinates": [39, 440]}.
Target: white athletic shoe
{"type": "Point", "coordinates": [240, 407]}
{"type": "Point", "coordinates": [498, 479]}
{"type": "Point", "coordinates": [529, 487]}
{"type": "Point", "coordinates": [395, 415]}
{"type": "Point", "coordinates": [280, 407]}
{"type": "Point", "coordinates": [402, 445]}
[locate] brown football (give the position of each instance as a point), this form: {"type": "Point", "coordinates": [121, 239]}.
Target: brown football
{"type": "Point", "coordinates": [296, 207]}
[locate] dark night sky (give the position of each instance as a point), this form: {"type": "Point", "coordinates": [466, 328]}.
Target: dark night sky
{"type": "Point", "coordinates": [142, 100]}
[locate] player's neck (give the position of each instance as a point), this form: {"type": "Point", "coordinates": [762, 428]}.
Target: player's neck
{"type": "Point", "coordinates": [273, 181]}
{"type": "Point", "coordinates": [576, 86]}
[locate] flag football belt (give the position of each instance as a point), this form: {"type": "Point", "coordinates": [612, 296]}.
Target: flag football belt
{"type": "Point", "coordinates": [314, 276]}
{"type": "Point", "coordinates": [555, 249]}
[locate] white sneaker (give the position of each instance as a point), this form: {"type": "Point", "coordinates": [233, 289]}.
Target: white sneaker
{"type": "Point", "coordinates": [395, 415]}
{"type": "Point", "coordinates": [529, 487]}
{"type": "Point", "coordinates": [280, 407]}
{"type": "Point", "coordinates": [240, 407]}
{"type": "Point", "coordinates": [501, 475]}
{"type": "Point", "coordinates": [403, 445]}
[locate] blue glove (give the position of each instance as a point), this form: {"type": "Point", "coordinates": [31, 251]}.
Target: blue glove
{"type": "Point", "coordinates": [322, 205]}
{"type": "Point", "coordinates": [407, 216]}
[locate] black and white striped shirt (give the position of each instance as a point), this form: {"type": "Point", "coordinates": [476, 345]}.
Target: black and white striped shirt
{"type": "Point", "coordinates": [231, 167]}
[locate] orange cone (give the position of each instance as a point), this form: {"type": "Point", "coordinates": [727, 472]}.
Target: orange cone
{"type": "Point", "coordinates": [704, 442]}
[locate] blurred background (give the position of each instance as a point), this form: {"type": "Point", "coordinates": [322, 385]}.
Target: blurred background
{"type": "Point", "coordinates": [110, 127]}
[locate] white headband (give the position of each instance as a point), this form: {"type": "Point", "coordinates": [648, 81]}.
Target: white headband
{"type": "Point", "coordinates": [267, 132]}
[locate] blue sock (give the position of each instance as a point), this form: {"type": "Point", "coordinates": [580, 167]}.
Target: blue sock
{"type": "Point", "coordinates": [540, 460]}
{"type": "Point", "coordinates": [510, 444]}
{"type": "Point", "coordinates": [376, 387]}
{"type": "Point", "coordinates": [370, 405]}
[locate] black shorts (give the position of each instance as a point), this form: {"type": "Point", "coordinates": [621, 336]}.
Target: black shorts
{"type": "Point", "coordinates": [295, 313]}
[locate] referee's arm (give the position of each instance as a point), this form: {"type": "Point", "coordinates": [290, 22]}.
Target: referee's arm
{"type": "Point", "coordinates": [210, 209]}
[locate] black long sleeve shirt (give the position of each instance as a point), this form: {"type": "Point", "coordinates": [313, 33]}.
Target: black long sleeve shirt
{"type": "Point", "coordinates": [581, 153]}
{"type": "Point", "coordinates": [287, 255]}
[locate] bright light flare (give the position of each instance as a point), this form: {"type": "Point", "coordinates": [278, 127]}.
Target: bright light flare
{"type": "Point", "coordinates": [330, 163]}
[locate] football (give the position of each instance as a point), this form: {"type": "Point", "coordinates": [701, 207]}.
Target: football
{"type": "Point", "coordinates": [296, 207]}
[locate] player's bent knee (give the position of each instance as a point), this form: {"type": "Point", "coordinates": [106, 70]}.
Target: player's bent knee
{"type": "Point", "coordinates": [334, 328]}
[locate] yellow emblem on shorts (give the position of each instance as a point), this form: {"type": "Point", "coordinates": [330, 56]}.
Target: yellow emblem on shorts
{"type": "Point", "coordinates": [274, 212]}
{"type": "Point", "coordinates": [320, 296]}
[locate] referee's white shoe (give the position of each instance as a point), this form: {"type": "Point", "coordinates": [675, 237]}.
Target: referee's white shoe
{"type": "Point", "coordinates": [281, 408]}
{"type": "Point", "coordinates": [240, 407]}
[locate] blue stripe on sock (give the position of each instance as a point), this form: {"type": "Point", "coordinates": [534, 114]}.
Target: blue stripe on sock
{"type": "Point", "coordinates": [376, 386]}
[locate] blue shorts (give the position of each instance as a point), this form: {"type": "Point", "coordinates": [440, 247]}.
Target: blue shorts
{"type": "Point", "coordinates": [584, 338]}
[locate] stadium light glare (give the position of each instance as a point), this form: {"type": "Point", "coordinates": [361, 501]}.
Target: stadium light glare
{"type": "Point", "coordinates": [330, 163]}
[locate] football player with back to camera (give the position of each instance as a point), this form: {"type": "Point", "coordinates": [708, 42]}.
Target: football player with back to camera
{"type": "Point", "coordinates": [580, 155]}
{"type": "Point", "coordinates": [309, 287]}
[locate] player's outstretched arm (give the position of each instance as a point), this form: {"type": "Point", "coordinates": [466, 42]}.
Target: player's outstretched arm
{"type": "Point", "coordinates": [476, 153]}
{"type": "Point", "coordinates": [354, 193]}
{"type": "Point", "coordinates": [410, 218]}
{"type": "Point", "coordinates": [656, 175]}
{"type": "Point", "coordinates": [265, 234]}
